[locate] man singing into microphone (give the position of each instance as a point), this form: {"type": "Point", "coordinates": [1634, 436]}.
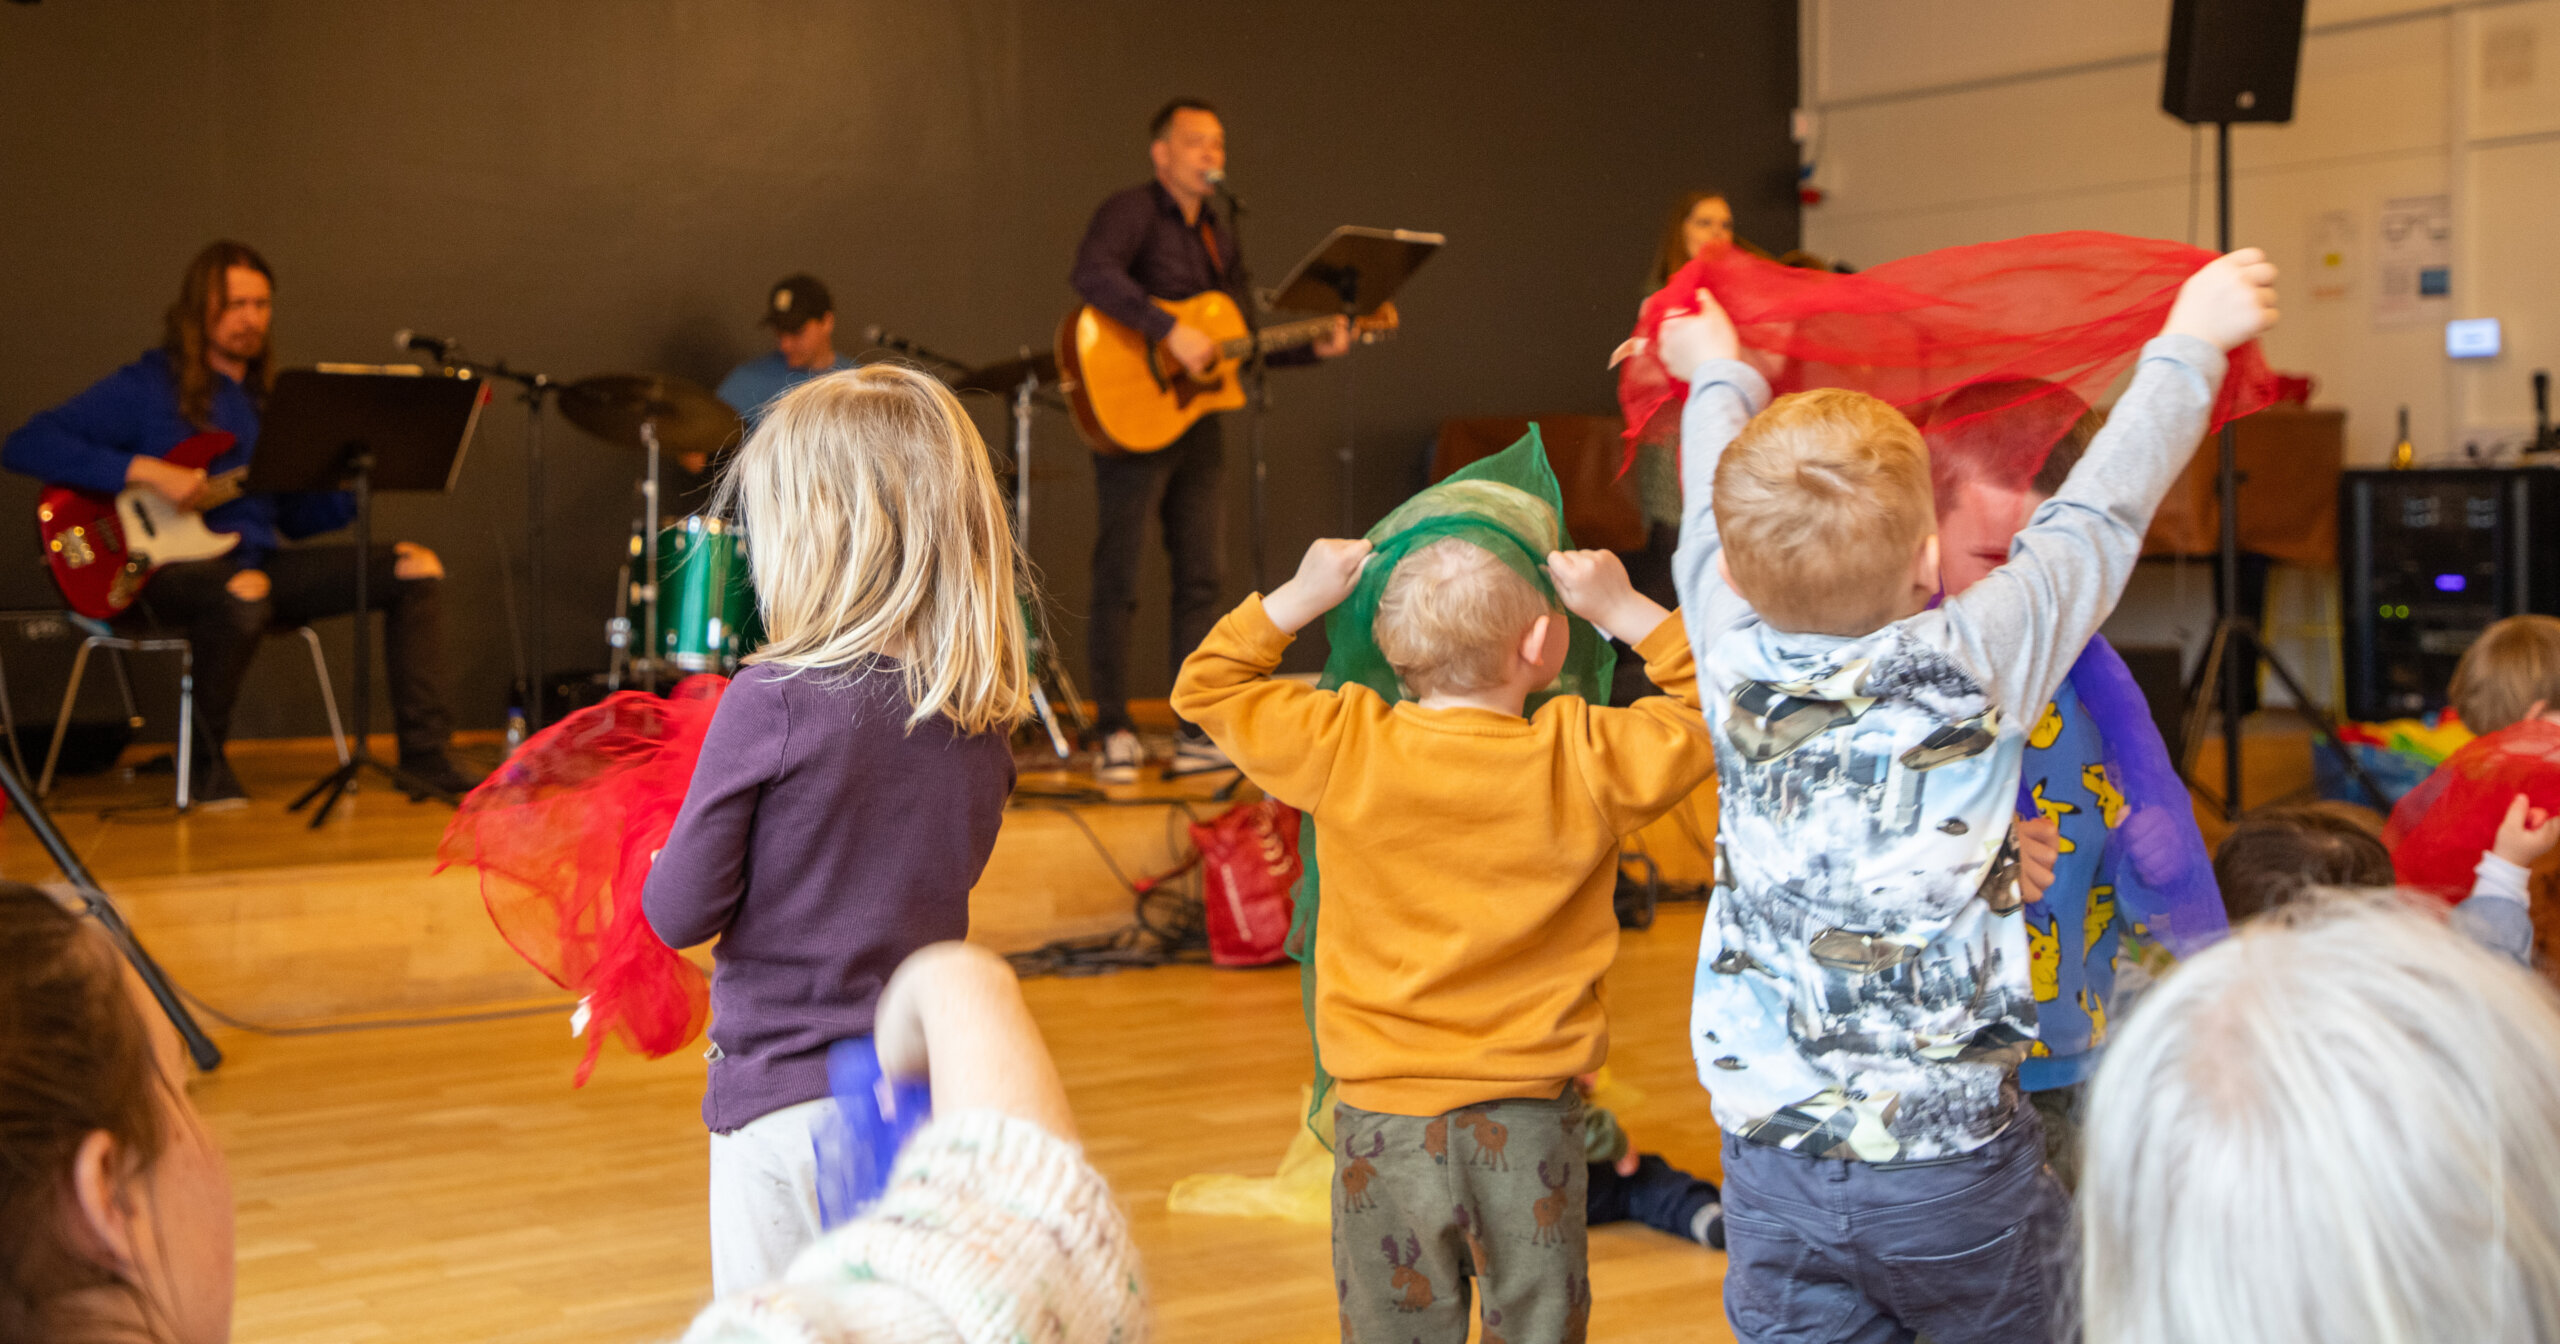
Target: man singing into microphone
{"type": "Point", "coordinates": [212, 372]}
{"type": "Point", "coordinates": [1160, 241]}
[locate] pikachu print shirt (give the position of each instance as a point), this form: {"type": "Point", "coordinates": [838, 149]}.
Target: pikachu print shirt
{"type": "Point", "coordinates": [2076, 932]}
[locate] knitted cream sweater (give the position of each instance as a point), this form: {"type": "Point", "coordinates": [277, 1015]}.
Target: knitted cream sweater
{"type": "Point", "coordinates": [992, 1231]}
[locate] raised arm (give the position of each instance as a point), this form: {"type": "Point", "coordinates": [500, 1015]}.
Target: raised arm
{"type": "Point", "coordinates": [1724, 393]}
{"type": "Point", "coordinates": [1282, 734]}
{"type": "Point", "coordinates": [2023, 626]}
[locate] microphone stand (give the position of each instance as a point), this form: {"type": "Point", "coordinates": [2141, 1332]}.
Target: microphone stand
{"type": "Point", "coordinates": [535, 387]}
{"type": "Point", "coordinates": [2237, 649]}
{"type": "Point", "coordinates": [1257, 387]}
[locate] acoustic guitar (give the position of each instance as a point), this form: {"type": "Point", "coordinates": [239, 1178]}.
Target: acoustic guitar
{"type": "Point", "coordinates": [103, 548]}
{"type": "Point", "coordinates": [1130, 396]}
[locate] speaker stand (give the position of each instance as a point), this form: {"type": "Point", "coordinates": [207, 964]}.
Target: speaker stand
{"type": "Point", "coordinates": [2236, 650]}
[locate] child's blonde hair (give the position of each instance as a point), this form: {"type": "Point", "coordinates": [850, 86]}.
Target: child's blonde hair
{"type": "Point", "coordinates": [1821, 502]}
{"type": "Point", "coordinates": [1451, 615]}
{"type": "Point", "coordinates": [2512, 664]}
{"type": "Point", "coordinates": [874, 528]}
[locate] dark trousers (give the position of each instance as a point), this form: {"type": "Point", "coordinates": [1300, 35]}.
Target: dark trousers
{"type": "Point", "coordinates": [1179, 483]}
{"type": "Point", "coordinates": [1975, 1249]}
{"type": "Point", "coordinates": [1660, 1196]}
{"type": "Point", "coordinates": [306, 584]}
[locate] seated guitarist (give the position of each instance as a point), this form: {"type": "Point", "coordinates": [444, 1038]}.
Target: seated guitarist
{"type": "Point", "coordinates": [212, 372]}
{"type": "Point", "coordinates": [1161, 241]}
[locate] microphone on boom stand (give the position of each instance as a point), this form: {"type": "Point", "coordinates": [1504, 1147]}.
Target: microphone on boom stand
{"type": "Point", "coordinates": [889, 340]}
{"type": "Point", "coordinates": [443, 348]}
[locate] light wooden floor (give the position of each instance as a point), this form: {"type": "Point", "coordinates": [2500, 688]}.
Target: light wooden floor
{"type": "Point", "coordinates": [446, 1183]}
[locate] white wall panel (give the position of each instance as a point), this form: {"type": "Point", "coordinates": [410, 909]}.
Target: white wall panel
{"type": "Point", "coordinates": [1870, 47]}
{"type": "Point", "coordinates": [1943, 122]}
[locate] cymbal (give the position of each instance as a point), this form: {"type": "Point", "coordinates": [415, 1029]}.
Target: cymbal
{"type": "Point", "coordinates": [1003, 378]}
{"type": "Point", "coordinates": [612, 406]}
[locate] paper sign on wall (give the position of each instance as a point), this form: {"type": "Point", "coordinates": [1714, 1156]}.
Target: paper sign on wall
{"type": "Point", "coordinates": [2413, 261]}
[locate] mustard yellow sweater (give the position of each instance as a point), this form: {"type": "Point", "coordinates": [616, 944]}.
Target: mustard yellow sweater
{"type": "Point", "coordinates": [1469, 858]}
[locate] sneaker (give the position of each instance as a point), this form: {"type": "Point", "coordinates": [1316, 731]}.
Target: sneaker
{"type": "Point", "coordinates": [1706, 1226]}
{"type": "Point", "coordinates": [437, 769]}
{"type": "Point", "coordinates": [1196, 756]}
{"type": "Point", "coordinates": [1120, 758]}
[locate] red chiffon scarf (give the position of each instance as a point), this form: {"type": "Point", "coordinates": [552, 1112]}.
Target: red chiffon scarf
{"type": "Point", "coordinates": [2050, 314]}
{"type": "Point", "coordinates": [563, 835]}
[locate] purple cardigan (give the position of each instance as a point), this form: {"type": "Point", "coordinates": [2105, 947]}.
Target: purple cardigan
{"type": "Point", "coordinates": [821, 842]}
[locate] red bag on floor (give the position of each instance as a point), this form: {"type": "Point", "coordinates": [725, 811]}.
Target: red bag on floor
{"type": "Point", "coordinates": [1249, 864]}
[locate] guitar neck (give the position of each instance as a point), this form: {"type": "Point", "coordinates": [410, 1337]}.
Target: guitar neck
{"type": "Point", "coordinates": [1281, 337]}
{"type": "Point", "coordinates": [222, 488]}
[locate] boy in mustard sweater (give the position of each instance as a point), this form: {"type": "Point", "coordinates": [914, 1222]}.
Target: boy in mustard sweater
{"type": "Point", "coordinates": [1469, 855]}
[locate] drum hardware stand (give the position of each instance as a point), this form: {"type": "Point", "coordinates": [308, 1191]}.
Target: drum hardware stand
{"type": "Point", "coordinates": [1050, 685]}
{"type": "Point", "coordinates": [2237, 649]}
{"type": "Point", "coordinates": [95, 904]}
{"type": "Point", "coordinates": [648, 588]}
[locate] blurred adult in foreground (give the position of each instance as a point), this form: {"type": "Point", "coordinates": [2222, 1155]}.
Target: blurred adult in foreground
{"type": "Point", "coordinates": [2336, 1126]}
{"type": "Point", "coordinates": [115, 1210]}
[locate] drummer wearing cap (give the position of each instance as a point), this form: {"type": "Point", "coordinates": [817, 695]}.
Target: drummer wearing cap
{"type": "Point", "coordinates": [803, 317]}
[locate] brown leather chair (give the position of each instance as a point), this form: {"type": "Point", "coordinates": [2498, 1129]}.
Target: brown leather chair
{"type": "Point", "coordinates": [1600, 506]}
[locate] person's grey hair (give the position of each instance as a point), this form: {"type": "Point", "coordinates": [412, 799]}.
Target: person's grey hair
{"type": "Point", "coordinates": [2341, 1124]}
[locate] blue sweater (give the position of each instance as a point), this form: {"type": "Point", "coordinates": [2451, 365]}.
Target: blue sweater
{"type": "Point", "coordinates": [88, 441]}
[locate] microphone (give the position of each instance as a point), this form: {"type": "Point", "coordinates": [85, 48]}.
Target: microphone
{"type": "Point", "coordinates": [889, 340]}
{"type": "Point", "coordinates": [442, 348]}
{"type": "Point", "coordinates": [1217, 180]}
{"type": "Point", "coordinates": [2543, 439]}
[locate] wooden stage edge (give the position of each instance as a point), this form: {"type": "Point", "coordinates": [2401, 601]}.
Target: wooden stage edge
{"type": "Point", "coordinates": [273, 923]}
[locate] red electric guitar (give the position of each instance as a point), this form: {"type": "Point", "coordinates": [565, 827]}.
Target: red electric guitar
{"type": "Point", "coordinates": [103, 548]}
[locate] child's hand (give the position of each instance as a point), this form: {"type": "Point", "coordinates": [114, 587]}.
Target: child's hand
{"type": "Point", "coordinates": [2229, 303]}
{"type": "Point", "coordinates": [1686, 341]}
{"type": "Point", "coordinates": [953, 1012]}
{"type": "Point", "coordinates": [1594, 587]}
{"type": "Point", "coordinates": [1327, 574]}
{"type": "Point", "coordinates": [2527, 834]}
{"type": "Point", "coordinates": [2039, 849]}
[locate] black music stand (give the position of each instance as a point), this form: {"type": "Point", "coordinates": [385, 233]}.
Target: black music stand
{"type": "Point", "coordinates": [364, 432]}
{"type": "Point", "coordinates": [1352, 272]}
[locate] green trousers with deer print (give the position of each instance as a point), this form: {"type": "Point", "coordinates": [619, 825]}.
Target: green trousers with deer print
{"type": "Point", "coordinates": [1484, 1202]}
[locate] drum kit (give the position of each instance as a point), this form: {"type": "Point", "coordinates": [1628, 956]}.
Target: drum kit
{"type": "Point", "coordinates": [685, 601]}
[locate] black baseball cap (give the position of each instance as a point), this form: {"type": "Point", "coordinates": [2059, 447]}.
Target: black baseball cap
{"type": "Point", "coordinates": [796, 301]}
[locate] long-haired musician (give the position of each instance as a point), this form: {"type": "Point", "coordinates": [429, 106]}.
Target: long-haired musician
{"type": "Point", "coordinates": [212, 371]}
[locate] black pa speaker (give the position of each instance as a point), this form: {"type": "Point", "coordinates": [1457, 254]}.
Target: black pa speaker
{"type": "Point", "coordinates": [2429, 559]}
{"type": "Point", "coordinates": [2232, 60]}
